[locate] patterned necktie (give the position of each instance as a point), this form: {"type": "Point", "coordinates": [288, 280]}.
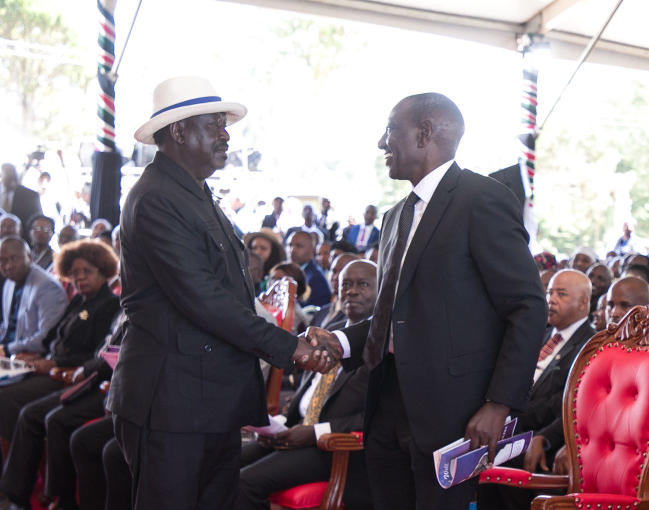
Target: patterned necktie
{"type": "Point", "coordinates": [319, 397]}
{"type": "Point", "coordinates": [549, 346]}
{"type": "Point", "coordinates": [380, 327]}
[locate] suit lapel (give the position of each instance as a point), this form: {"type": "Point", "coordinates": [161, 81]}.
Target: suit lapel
{"type": "Point", "coordinates": [571, 344]}
{"type": "Point", "coordinates": [428, 224]}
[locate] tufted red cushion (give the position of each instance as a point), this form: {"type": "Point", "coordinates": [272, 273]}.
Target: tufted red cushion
{"type": "Point", "coordinates": [605, 501]}
{"type": "Point", "coordinates": [302, 496]}
{"type": "Point", "coordinates": [611, 420]}
{"type": "Point", "coordinates": [508, 476]}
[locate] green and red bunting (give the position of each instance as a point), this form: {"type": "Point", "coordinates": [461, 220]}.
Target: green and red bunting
{"type": "Point", "coordinates": [529, 103]}
{"type": "Point", "coordinates": [106, 105]}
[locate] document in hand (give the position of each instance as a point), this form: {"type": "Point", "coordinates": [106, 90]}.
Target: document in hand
{"type": "Point", "coordinates": [13, 370]}
{"type": "Point", "coordinates": [454, 463]}
{"type": "Point", "coordinates": [275, 427]}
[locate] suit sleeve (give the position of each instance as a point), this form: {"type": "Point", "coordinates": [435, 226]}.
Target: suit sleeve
{"type": "Point", "coordinates": [498, 245]}
{"type": "Point", "coordinates": [357, 336]}
{"type": "Point", "coordinates": [50, 303]}
{"type": "Point", "coordinates": [553, 433]}
{"type": "Point", "coordinates": [195, 288]}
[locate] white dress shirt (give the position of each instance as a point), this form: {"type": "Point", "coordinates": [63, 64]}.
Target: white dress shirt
{"type": "Point", "coordinates": [566, 334]}
{"type": "Point", "coordinates": [424, 190]}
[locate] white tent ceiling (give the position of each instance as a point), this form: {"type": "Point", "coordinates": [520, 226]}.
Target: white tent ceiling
{"type": "Point", "coordinates": [567, 24]}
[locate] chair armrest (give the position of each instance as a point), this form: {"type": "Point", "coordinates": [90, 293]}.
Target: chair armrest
{"type": "Point", "coordinates": [553, 503]}
{"type": "Point", "coordinates": [337, 442]}
{"type": "Point", "coordinates": [340, 445]}
{"type": "Point", "coordinates": [523, 479]}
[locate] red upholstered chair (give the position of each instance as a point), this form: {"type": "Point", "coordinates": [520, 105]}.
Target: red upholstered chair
{"type": "Point", "coordinates": [279, 299]}
{"type": "Point", "coordinates": [323, 495]}
{"type": "Point", "coordinates": [606, 425]}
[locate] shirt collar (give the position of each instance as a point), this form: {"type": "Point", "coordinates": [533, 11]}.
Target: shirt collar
{"type": "Point", "coordinates": [567, 333]}
{"type": "Point", "coordinates": [427, 186]}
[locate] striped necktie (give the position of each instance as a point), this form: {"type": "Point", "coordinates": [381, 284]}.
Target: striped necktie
{"type": "Point", "coordinates": [550, 346]}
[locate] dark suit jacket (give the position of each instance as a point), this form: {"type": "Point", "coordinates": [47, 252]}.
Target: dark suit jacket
{"type": "Point", "coordinates": [544, 411]}
{"type": "Point", "coordinates": [320, 291]}
{"type": "Point", "coordinates": [345, 403]}
{"type": "Point", "coordinates": [269, 221]}
{"type": "Point", "coordinates": [469, 313]}
{"type": "Point", "coordinates": [320, 317]}
{"type": "Point", "coordinates": [26, 204]}
{"type": "Point", "coordinates": [511, 177]}
{"type": "Point", "coordinates": [88, 330]}
{"type": "Point", "coordinates": [354, 230]}
{"type": "Point", "coordinates": [188, 361]}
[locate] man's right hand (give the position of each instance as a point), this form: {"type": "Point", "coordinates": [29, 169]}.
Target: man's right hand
{"type": "Point", "coordinates": [324, 339]}
{"type": "Point", "coordinates": [320, 353]}
{"type": "Point", "coordinates": [309, 357]}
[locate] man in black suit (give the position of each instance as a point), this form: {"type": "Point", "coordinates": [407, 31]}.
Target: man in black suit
{"type": "Point", "coordinates": [189, 376]}
{"type": "Point", "coordinates": [265, 470]}
{"type": "Point", "coordinates": [270, 220]}
{"type": "Point", "coordinates": [460, 316]}
{"type": "Point", "coordinates": [301, 251]}
{"type": "Point", "coordinates": [568, 298]}
{"type": "Point", "coordinates": [16, 198]}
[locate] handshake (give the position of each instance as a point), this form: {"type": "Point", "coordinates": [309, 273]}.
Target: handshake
{"type": "Point", "coordinates": [317, 350]}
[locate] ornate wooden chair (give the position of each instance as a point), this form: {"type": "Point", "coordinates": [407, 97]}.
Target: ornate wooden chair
{"type": "Point", "coordinates": [279, 299]}
{"type": "Point", "coordinates": [606, 425]}
{"type": "Point", "coordinates": [323, 495]}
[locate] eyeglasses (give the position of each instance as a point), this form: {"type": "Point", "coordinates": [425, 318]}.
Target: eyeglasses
{"type": "Point", "coordinates": [47, 230]}
{"type": "Point", "coordinates": [83, 272]}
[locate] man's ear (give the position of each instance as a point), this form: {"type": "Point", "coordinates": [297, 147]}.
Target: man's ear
{"type": "Point", "coordinates": [426, 132]}
{"type": "Point", "coordinates": [177, 131]}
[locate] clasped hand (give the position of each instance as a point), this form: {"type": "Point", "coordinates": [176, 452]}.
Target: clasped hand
{"type": "Point", "coordinates": [317, 350]}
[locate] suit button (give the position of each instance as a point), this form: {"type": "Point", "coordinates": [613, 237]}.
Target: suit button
{"type": "Point", "coordinates": [208, 348]}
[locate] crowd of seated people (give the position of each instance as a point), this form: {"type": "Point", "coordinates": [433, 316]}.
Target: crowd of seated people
{"type": "Point", "coordinates": [60, 309]}
{"type": "Point", "coordinates": [584, 295]}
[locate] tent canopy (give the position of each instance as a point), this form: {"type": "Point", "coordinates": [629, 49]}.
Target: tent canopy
{"type": "Point", "coordinates": [567, 24]}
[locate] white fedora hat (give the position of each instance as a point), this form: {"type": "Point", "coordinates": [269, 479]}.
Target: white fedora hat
{"type": "Point", "coordinates": [183, 97]}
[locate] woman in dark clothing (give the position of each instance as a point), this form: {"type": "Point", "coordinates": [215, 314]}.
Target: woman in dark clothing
{"type": "Point", "coordinates": [73, 341]}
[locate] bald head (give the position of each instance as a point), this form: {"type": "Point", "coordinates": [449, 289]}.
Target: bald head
{"type": "Point", "coordinates": [445, 116]}
{"type": "Point", "coordinates": [358, 289]}
{"type": "Point", "coordinates": [568, 298]}
{"type": "Point", "coordinates": [624, 295]}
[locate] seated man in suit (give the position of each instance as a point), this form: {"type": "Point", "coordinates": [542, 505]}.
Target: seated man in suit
{"type": "Point", "coordinates": [301, 251]}
{"type": "Point", "coordinates": [367, 234]}
{"type": "Point", "coordinates": [33, 300]}
{"type": "Point", "coordinates": [322, 404]}
{"type": "Point", "coordinates": [41, 230]}
{"type": "Point", "coordinates": [331, 312]}
{"type": "Point", "coordinates": [568, 298]}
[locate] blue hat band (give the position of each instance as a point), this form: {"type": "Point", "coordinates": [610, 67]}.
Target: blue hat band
{"type": "Point", "coordinates": [189, 102]}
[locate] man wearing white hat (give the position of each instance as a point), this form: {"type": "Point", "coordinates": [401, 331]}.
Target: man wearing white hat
{"type": "Point", "coordinates": [188, 376]}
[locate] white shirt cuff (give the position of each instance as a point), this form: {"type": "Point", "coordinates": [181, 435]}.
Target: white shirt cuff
{"type": "Point", "coordinates": [321, 429]}
{"type": "Point", "coordinates": [344, 342]}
